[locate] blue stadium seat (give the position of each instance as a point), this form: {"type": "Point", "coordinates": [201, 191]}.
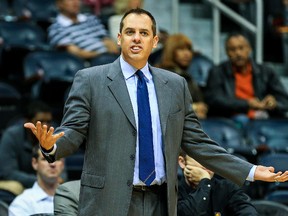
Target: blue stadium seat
{"type": "Point", "coordinates": [270, 134]}
{"type": "Point", "coordinates": [18, 39]}
{"type": "Point", "coordinates": [280, 196]}
{"type": "Point", "coordinates": [10, 103]}
{"type": "Point", "coordinates": [50, 74]}
{"type": "Point", "coordinates": [270, 208]}
{"type": "Point", "coordinates": [226, 133]}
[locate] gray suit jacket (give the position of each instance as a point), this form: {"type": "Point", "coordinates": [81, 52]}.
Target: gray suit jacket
{"type": "Point", "coordinates": [66, 199]}
{"type": "Point", "coordinates": [98, 111]}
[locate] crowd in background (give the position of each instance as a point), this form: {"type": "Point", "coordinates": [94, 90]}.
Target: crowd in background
{"type": "Point", "coordinates": [84, 34]}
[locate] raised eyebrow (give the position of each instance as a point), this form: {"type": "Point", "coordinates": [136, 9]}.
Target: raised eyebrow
{"type": "Point", "coordinates": [132, 29]}
{"type": "Point", "coordinates": [129, 29]}
{"type": "Point", "coordinates": [145, 30]}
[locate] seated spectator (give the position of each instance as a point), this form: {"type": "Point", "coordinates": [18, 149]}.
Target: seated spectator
{"type": "Point", "coordinates": [200, 193]}
{"type": "Point", "coordinates": [39, 198]}
{"type": "Point", "coordinates": [177, 56]}
{"type": "Point", "coordinates": [16, 150]}
{"type": "Point", "coordinates": [81, 34]}
{"type": "Point", "coordinates": [242, 89]}
{"type": "Point", "coordinates": [156, 55]}
{"type": "Point", "coordinates": [66, 199]}
{"type": "Point", "coordinates": [199, 69]}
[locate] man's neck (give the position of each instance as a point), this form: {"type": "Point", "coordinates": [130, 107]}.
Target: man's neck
{"type": "Point", "coordinates": [49, 188]}
{"type": "Point", "coordinates": [72, 17]}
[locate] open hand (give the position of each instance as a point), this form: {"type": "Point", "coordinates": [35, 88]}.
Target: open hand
{"type": "Point", "coordinates": [267, 174]}
{"type": "Point", "coordinates": [44, 135]}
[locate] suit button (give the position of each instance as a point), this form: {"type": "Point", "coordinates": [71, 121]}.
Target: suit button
{"type": "Point", "coordinates": [132, 157]}
{"type": "Point", "coordinates": [134, 133]}
{"type": "Point", "coordinates": [129, 183]}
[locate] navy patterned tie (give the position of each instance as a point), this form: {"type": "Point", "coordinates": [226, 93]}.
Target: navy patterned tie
{"type": "Point", "coordinates": [146, 154]}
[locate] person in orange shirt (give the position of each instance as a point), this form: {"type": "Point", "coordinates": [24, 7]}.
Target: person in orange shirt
{"type": "Point", "coordinates": [243, 89]}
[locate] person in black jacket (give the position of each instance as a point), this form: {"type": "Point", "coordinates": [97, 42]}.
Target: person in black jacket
{"type": "Point", "coordinates": [240, 88]}
{"type": "Point", "coordinates": [201, 193]}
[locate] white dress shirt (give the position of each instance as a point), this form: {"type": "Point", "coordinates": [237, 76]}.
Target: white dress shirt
{"type": "Point", "coordinates": [32, 201]}
{"type": "Point", "coordinates": [131, 81]}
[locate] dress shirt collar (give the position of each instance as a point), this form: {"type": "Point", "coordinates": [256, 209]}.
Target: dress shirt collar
{"type": "Point", "coordinates": [40, 193]}
{"type": "Point", "coordinates": [128, 70]}
{"type": "Point", "coordinates": [65, 21]}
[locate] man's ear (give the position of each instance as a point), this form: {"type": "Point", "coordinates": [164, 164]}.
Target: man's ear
{"type": "Point", "coordinates": [119, 39]}
{"type": "Point", "coordinates": [181, 162]}
{"type": "Point", "coordinates": [34, 164]}
{"type": "Point", "coordinates": [155, 41]}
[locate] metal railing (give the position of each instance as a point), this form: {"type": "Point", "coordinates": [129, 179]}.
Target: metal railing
{"type": "Point", "coordinates": [175, 16]}
{"type": "Point", "coordinates": [256, 29]}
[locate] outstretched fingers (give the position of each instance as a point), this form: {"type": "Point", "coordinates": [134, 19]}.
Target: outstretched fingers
{"type": "Point", "coordinates": [32, 127]}
{"type": "Point", "coordinates": [57, 136]}
{"type": "Point", "coordinates": [281, 177]}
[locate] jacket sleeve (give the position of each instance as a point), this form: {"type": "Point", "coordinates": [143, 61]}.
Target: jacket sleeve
{"type": "Point", "coordinates": [66, 201]}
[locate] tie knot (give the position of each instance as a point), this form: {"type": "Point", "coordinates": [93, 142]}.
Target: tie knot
{"type": "Point", "coordinates": [140, 74]}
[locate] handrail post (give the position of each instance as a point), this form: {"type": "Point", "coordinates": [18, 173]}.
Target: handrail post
{"type": "Point", "coordinates": [175, 16]}
{"type": "Point", "coordinates": [256, 29]}
{"type": "Point", "coordinates": [216, 35]}
{"type": "Point", "coordinates": [259, 31]}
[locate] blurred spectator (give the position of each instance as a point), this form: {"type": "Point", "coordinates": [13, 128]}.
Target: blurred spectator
{"type": "Point", "coordinates": [81, 34]}
{"type": "Point", "coordinates": [156, 55]}
{"type": "Point", "coordinates": [39, 198]}
{"type": "Point", "coordinates": [199, 68]}
{"type": "Point", "coordinates": [202, 193]}
{"type": "Point", "coordinates": [177, 55]}
{"type": "Point", "coordinates": [113, 21]}
{"type": "Point", "coordinates": [103, 9]}
{"type": "Point", "coordinates": [242, 89]}
{"type": "Point", "coordinates": [121, 6]}
{"type": "Point", "coordinates": [16, 150]}
{"type": "Point", "coordinates": [98, 5]}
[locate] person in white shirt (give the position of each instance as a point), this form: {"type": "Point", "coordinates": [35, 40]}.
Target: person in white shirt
{"type": "Point", "coordinates": [82, 35]}
{"type": "Point", "coordinates": [39, 198]}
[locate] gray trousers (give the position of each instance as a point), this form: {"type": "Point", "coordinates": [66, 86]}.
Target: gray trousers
{"type": "Point", "coordinates": [148, 203]}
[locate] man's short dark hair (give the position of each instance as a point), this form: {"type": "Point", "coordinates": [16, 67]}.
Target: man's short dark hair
{"type": "Point", "coordinates": [139, 11]}
{"type": "Point", "coordinates": [235, 34]}
{"type": "Point", "coordinates": [35, 151]}
{"type": "Point", "coordinates": [35, 107]}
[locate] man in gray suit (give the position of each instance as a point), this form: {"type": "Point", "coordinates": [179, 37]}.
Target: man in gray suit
{"type": "Point", "coordinates": [102, 110]}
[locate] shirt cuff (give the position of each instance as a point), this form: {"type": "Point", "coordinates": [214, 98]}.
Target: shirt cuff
{"type": "Point", "coordinates": [251, 174]}
{"type": "Point", "coordinates": [49, 153]}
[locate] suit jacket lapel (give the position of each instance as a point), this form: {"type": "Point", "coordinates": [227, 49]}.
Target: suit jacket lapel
{"type": "Point", "coordinates": [118, 88]}
{"type": "Point", "coordinates": [164, 95]}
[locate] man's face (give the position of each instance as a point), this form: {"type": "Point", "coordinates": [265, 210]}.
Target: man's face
{"type": "Point", "coordinates": [238, 50]}
{"type": "Point", "coordinates": [48, 172]}
{"type": "Point", "coordinates": [69, 8]}
{"type": "Point", "coordinates": [136, 39]}
{"type": "Point", "coordinates": [183, 57]}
